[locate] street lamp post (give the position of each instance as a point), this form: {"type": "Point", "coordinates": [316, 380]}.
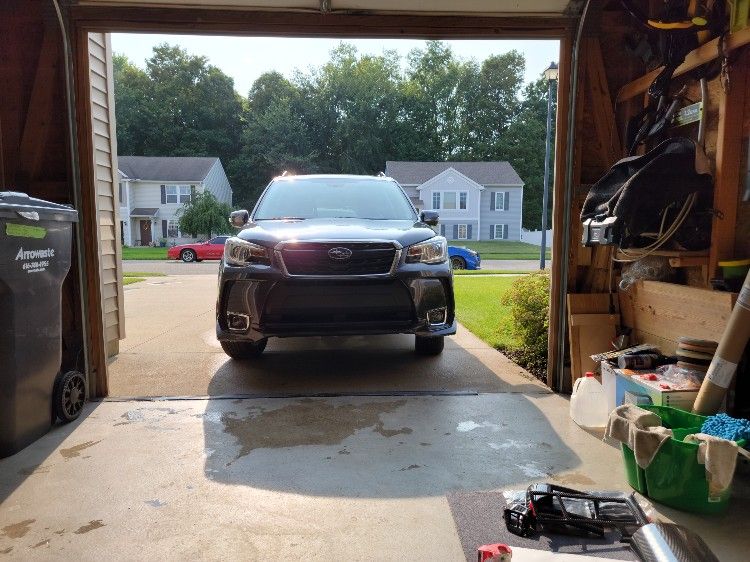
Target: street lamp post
{"type": "Point", "coordinates": [551, 75]}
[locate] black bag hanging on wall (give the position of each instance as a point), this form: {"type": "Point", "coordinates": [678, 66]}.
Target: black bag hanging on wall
{"type": "Point", "coordinates": [641, 196]}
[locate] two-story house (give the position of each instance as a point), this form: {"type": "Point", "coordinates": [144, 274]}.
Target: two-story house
{"type": "Point", "coordinates": [476, 200]}
{"type": "Point", "coordinates": [153, 188]}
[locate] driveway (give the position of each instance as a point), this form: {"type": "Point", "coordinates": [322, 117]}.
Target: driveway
{"type": "Point", "coordinates": [324, 448]}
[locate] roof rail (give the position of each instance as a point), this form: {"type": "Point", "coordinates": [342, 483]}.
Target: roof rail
{"type": "Point", "coordinates": [381, 174]}
{"type": "Point", "coordinates": [284, 173]}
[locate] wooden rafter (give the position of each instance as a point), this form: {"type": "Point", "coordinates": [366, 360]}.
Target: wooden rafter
{"type": "Point", "coordinates": [41, 108]}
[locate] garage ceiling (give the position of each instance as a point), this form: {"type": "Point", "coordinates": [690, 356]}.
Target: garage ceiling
{"type": "Point", "coordinates": [538, 8]}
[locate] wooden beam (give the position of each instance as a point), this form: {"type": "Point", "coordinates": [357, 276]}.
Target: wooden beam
{"type": "Point", "coordinates": [88, 218]}
{"type": "Point", "coordinates": [728, 161]}
{"type": "Point", "coordinates": [556, 305]}
{"type": "Point", "coordinates": [703, 54]}
{"type": "Point", "coordinates": [312, 23]}
{"type": "Point", "coordinates": [600, 104]}
{"type": "Point", "coordinates": [40, 109]}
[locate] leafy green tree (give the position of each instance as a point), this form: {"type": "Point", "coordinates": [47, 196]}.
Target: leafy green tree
{"type": "Point", "coordinates": [204, 215]}
{"type": "Point", "coordinates": [179, 106]}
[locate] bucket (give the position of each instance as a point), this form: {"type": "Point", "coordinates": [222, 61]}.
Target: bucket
{"type": "Point", "coordinates": [588, 404]}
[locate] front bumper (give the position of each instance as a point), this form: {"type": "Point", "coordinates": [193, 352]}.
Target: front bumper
{"type": "Point", "coordinates": [274, 304]}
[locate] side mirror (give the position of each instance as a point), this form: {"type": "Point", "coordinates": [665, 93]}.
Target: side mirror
{"type": "Point", "coordinates": [238, 219]}
{"type": "Point", "coordinates": [429, 217]}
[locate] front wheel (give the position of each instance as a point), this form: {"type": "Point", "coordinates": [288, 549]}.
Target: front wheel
{"type": "Point", "coordinates": [244, 349]}
{"type": "Point", "coordinates": [457, 262]}
{"type": "Point", "coordinates": [187, 256]}
{"type": "Point", "coordinates": [429, 345]}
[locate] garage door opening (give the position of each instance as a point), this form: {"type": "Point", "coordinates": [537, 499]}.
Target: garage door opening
{"type": "Point", "coordinates": [460, 125]}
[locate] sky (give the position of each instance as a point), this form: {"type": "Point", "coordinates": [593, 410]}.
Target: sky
{"type": "Point", "coordinates": [246, 58]}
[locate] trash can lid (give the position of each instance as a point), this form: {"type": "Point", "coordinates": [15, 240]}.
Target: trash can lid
{"type": "Point", "coordinates": [14, 205]}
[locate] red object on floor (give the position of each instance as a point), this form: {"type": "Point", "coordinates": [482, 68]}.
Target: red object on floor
{"type": "Point", "coordinates": [494, 552]}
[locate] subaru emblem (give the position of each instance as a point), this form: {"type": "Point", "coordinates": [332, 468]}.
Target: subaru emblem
{"type": "Point", "coordinates": [339, 253]}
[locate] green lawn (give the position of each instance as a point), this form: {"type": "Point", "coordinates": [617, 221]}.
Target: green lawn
{"type": "Point", "coordinates": [143, 253]}
{"type": "Point", "coordinates": [131, 280]}
{"type": "Point", "coordinates": [130, 277]}
{"type": "Point", "coordinates": [489, 272]}
{"type": "Point", "coordinates": [478, 307]}
{"type": "Point", "coordinates": [502, 250]}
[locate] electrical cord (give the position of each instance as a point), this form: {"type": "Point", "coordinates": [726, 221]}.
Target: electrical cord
{"type": "Point", "coordinates": [662, 237]}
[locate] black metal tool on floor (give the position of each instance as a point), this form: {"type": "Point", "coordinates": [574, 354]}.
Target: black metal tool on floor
{"type": "Point", "coordinates": [556, 509]}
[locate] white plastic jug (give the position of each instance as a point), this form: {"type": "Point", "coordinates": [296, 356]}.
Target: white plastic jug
{"type": "Point", "coordinates": [588, 404]}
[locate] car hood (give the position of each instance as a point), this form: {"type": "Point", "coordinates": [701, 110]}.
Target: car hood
{"type": "Point", "coordinates": [270, 232]}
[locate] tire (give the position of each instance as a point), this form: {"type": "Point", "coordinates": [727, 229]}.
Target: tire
{"type": "Point", "coordinates": [244, 349]}
{"type": "Point", "coordinates": [69, 396]}
{"type": "Point", "coordinates": [457, 262]}
{"type": "Point", "coordinates": [188, 255]}
{"type": "Point", "coordinates": [426, 345]}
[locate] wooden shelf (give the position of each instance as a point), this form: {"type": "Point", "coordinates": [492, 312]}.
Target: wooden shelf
{"type": "Point", "coordinates": [695, 58]}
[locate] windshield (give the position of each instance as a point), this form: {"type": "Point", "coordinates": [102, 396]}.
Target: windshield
{"type": "Point", "coordinates": [312, 198]}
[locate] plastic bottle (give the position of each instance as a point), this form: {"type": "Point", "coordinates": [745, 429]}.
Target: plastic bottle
{"type": "Point", "coordinates": [588, 404]}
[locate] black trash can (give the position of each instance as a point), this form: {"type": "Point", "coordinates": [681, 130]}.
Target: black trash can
{"type": "Point", "coordinates": [35, 256]}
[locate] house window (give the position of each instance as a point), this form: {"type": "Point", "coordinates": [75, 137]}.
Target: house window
{"type": "Point", "coordinates": [178, 193]}
{"type": "Point", "coordinates": [173, 228]}
{"type": "Point", "coordinates": [120, 193]}
{"type": "Point", "coordinates": [451, 200]}
{"type": "Point", "coordinates": [501, 231]}
{"type": "Point", "coordinates": [463, 232]}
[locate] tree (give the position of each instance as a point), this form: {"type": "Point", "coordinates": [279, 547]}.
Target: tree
{"type": "Point", "coordinates": [205, 215]}
{"type": "Point", "coordinates": [179, 106]}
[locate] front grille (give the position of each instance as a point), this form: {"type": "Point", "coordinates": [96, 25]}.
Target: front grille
{"type": "Point", "coordinates": [312, 258]}
{"type": "Point", "coordinates": [338, 305]}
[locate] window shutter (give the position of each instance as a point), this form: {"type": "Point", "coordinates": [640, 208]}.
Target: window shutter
{"type": "Point", "coordinates": [163, 229]}
{"type": "Point", "coordinates": [492, 232]}
{"type": "Point", "coordinates": [455, 232]}
{"type": "Point", "coordinates": [442, 230]}
{"type": "Point", "coordinates": [468, 232]}
{"type": "Point", "coordinates": [492, 200]}
{"type": "Point", "coordinates": [163, 194]}
{"type": "Point", "coordinates": [192, 193]}
{"type": "Point", "coordinates": [506, 201]}
{"type": "Point", "coordinates": [505, 232]}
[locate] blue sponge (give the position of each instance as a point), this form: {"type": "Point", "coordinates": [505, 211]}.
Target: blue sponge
{"type": "Point", "coordinates": [722, 425]}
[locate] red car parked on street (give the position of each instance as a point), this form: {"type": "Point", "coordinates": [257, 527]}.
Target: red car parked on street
{"type": "Point", "coordinates": [211, 250]}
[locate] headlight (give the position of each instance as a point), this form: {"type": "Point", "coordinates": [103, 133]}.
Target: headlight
{"type": "Point", "coordinates": [434, 250]}
{"type": "Point", "coordinates": [241, 252]}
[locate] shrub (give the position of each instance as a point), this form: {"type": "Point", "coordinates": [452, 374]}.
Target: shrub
{"type": "Point", "coordinates": [528, 299]}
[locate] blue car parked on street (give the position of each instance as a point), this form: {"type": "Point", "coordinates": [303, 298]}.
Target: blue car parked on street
{"type": "Point", "coordinates": [464, 258]}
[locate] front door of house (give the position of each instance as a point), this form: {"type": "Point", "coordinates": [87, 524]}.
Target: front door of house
{"type": "Point", "coordinates": [145, 233]}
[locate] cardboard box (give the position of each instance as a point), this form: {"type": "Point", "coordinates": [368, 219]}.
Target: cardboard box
{"type": "Point", "coordinates": [621, 387]}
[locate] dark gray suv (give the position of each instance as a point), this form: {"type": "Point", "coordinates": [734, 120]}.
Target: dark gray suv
{"type": "Point", "coordinates": [334, 255]}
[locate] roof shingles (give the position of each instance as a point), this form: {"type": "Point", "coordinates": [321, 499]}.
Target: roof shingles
{"type": "Point", "coordinates": [484, 173]}
{"type": "Point", "coordinates": [166, 168]}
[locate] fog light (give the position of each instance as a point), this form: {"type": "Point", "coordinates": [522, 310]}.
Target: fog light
{"type": "Point", "coordinates": [238, 322]}
{"type": "Point", "coordinates": [436, 316]}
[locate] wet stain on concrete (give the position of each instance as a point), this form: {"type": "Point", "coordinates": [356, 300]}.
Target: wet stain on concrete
{"type": "Point", "coordinates": [410, 467]}
{"type": "Point", "coordinates": [575, 478]}
{"type": "Point", "coordinates": [7, 550]}
{"type": "Point", "coordinates": [379, 428]}
{"type": "Point", "coordinates": [344, 452]}
{"type": "Point", "coordinates": [90, 527]}
{"type": "Point", "coordinates": [18, 530]}
{"type": "Point", "coordinates": [425, 444]}
{"type": "Point", "coordinates": [75, 451]}
{"type": "Point", "coordinates": [41, 543]}
{"type": "Point", "coordinates": [31, 470]}
{"type": "Point", "coordinates": [307, 422]}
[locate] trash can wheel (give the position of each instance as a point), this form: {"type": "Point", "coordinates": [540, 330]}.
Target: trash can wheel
{"type": "Point", "coordinates": [69, 395]}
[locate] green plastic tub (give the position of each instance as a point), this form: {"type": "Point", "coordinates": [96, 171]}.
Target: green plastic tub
{"type": "Point", "coordinates": [674, 477]}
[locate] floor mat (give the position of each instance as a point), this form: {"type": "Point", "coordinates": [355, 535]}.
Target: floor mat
{"type": "Point", "coordinates": [479, 520]}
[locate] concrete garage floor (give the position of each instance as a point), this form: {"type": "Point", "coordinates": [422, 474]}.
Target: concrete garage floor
{"type": "Point", "coordinates": [283, 472]}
